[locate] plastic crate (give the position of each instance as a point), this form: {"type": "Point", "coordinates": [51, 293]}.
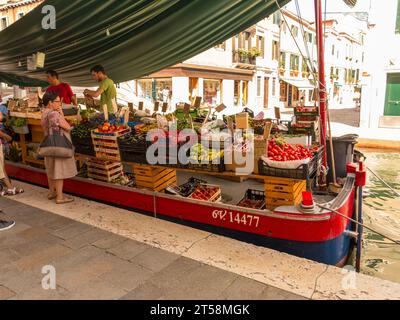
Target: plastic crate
{"type": "Point", "coordinates": [212, 167]}
{"type": "Point", "coordinates": [83, 145]}
{"type": "Point", "coordinates": [254, 195]}
{"type": "Point", "coordinates": [303, 172]}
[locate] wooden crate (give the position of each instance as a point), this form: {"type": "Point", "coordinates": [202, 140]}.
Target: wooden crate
{"type": "Point", "coordinates": [153, 178]}
{"type": "Point", "coordinates": [104, 170]}
{"type": "Point", "coordinates": [106, 144]}
{"type": "Point", "coordinates": [283, 191]}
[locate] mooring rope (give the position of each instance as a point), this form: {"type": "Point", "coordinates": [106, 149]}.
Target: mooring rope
{"type": "Point", "coordinates": [359, 223]}
{"type": "Point", "coordinates": [384, 182]}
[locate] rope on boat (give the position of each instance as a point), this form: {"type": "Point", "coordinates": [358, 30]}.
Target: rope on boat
{"type": "Point", "coordinates": [359, 223]}
{"type": "Point", "coordinates": [384, 182]}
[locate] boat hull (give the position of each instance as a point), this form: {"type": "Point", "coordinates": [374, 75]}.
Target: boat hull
{"type": "Point", "coordinates": [320, 237]}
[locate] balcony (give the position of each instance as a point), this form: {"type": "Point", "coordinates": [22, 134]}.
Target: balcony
{"type": "Point", "coordinates": [245, 59]}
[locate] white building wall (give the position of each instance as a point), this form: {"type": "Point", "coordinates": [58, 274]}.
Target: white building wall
{"type": "Point", "coordinates": [382, 57]}
{"type": "Point", "coordinates": [180, 90]}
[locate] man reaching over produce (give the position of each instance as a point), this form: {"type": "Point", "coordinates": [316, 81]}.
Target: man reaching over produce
{"type": "Point", "coordinates": [63, 89]}
{"type": "Point", "coordinates": [106, 89]}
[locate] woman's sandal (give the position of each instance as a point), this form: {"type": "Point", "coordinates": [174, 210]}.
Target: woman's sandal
{"type": "Point", "coordinates": [65, 200]}
{"type": "Point", "coordinates": [51, 196]}
{"type": "Point", "coordinates": [14, 191]}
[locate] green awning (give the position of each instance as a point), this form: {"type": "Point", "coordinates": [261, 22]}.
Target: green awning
{"type": "Point", "coordinates": [131, 39]}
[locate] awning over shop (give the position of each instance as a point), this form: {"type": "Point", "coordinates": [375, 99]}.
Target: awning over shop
{"type": "Point", "coordinates": [131, 39]}
{"type": "Point", "coordinates": [300, 84]}
{"type": "Point", "coordinates": [208, 72]}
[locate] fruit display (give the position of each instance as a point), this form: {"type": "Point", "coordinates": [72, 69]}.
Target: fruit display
{"type": "Point", "coordinates": [206, 192]}
{"type": "Point", "coordinates": [106, 127]}
{"type": "Point", "coordinates": [82, 131]}
{"type": "Point", "coordinates": [306, 109]}
{"type": "Point", "coordinates": [201, 153]}
{"type": "Point", "coordinates": [280, 150]}
{"type": "Point", "coordinates": [145, 128]}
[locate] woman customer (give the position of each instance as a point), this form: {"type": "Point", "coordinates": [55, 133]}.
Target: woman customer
{"type": "Point", "coordinates": [57, 169]}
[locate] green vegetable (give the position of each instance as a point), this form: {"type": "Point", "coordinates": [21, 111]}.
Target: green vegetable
{"type": "Point", "coordinates": [18, 122]}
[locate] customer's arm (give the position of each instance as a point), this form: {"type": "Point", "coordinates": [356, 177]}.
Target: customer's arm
{"type": "Point", "coordinates": [64, 124]}
{"type": "Point", "coordinates": [5, 136]}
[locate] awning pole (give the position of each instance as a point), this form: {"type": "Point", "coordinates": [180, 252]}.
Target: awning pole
{"type": "Point", "coordinates": [321, 75]}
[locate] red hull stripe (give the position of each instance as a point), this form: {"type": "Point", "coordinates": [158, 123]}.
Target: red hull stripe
{"type": "Point", "coordinates": [279, 225]}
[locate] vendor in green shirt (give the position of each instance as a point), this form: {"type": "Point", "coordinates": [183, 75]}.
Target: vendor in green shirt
{"type": "Point", "coordinates": [106, 89]}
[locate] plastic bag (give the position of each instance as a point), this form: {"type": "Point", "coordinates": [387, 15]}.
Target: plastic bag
{"type": "Point", "coordinates": [290, 164]}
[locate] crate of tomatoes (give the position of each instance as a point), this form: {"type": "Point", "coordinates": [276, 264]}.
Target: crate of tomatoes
{"type": "Point", "coordinates": [290, 161]}
{"type": "Point", "coordinates": [254, 199]}
{"type": "Point", "coordinates": [207, 192]}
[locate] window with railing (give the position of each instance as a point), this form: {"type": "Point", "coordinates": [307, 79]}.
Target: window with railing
{"type": "Point", "coordinates": [282, 60]}
{"type": "Point", "coordinates": [294, 62]}
{"type": "Point", "coordinates": [3, 23]}
{"type": "Point", "coordinates": [275, 50]}
{"type": "Point", "coordinates": [276, 18]}
{"type": "Point", "coordinates": [295, 31]}
{"type": "Point", "coordinates": [261, 46]}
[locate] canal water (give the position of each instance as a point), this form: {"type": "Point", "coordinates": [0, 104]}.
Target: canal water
{"type": "Point", "coordinates": [380, 257]}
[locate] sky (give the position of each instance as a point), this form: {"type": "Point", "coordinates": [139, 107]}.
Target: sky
{"type": "Point", "coordinates": [307, 7]}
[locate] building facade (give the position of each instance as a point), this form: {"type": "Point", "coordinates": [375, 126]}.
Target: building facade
{"type": "Point", "coordinates": [11, 11]}
{"type": "Point", "coordinates": [380, 106]}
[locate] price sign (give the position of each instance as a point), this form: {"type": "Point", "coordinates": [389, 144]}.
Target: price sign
{"type": "Point", "coordinates": [267, 130]}
{"type": "Point", "coordinates": [220, 108]}
{"type": "Point", "coordinates": [197, 102]}
{"type": "Point", "coordinates": [130, 106]}
{"type": "Point", "coordinates": [186, 109]}
{"type": "Point", "coordinates": [141, 104]}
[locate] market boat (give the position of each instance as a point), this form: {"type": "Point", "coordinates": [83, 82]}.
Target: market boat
{"type": "Point", "coordinates": [305, 229]}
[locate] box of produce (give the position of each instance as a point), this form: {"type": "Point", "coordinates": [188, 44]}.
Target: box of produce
{"type": "Point", "coordinates": [133, 148]}
{"type": "Point", "coordinates": [203, 158]}
{"type": "Point", "coordinates": [186, 189]}
{"type": "Point", "coordinates": [82, 139]}
{"type": "Point", "coordinates": [290, 161]}
{"type": "Point", "coordinates": [254, 199]}
{"type": "Point", "coordinates": [206, 192]}
{"type": "Point", "coordinates": [110, 130]}
{"type": "Point", "coordinates": [306, 111]}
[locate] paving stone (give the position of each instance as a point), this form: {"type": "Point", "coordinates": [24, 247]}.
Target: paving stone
{"type": "Point", "coordinates": [71, 231]}
{"type": "Point", "coordinates": [86, 238]}
{"type": "Point", "coordinates": [58, 223]}
{"type": "Point", "coordinates": [272, 293]}
{"type": "Point", "coordinates": [97, 290]}
{"type": "Point", "coordinates": [187, 279]}
{"type": "Point", "coordinates": [146, 291]}
{"type": "Point", "coordinates": [76, 257]}
{"type": "Point", "coordinates": [42, 294]}
{"type": "Point", "coordinates": [6, 293]}
{"type": "Point", "coordinates": [84, 273]}
{"type": "Point", "coordinates": [7, 255]}
{"type": "Point", "coordinates": [155, 259]}
{"type": "Point", "coordinates": [27, 248]}
{"type": "Point", "coordinates": [243, 289]}
{"type": "Point", "coordinates": [110, 241]}
{"type": "Point", "coordinates": [18, 281]}
{"type": "Point", "coordinates": [128, 249]}
{"type": "Point", "coordinates": [40, 258]}
{"type": "Point", "coordinates": [126, 275]}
